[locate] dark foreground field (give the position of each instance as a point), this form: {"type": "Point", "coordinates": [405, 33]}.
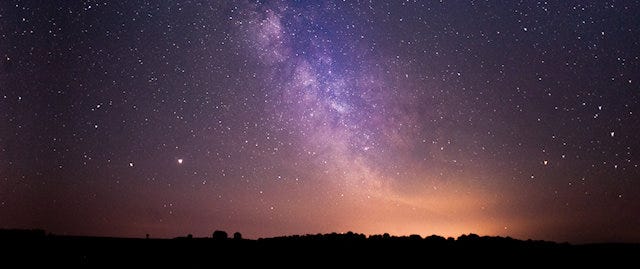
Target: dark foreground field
{"type": "Point", "coordinates": [35, 249]}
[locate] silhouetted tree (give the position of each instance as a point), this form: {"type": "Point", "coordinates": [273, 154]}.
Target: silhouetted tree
{"type": "Point", "coordinates": [415, 237]}
{"type": "Point", "coordinates": [436, 239]}
{"type": "Point", "coordinates": [470, 237]}
{"type": "Point", "coordinates": [237, 236]}
{"type": "Point", "coordinates": [220, 235]}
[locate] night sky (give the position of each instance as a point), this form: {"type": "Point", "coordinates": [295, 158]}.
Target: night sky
{"type": "Point", "coordinates": [509, 118]}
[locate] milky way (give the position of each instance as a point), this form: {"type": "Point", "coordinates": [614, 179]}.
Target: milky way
{"type": "Point", "coordinates": [498, 118]}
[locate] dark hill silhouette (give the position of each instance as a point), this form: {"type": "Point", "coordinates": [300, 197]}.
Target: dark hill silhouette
{"type": "Point", "coordinates": [30, 248]}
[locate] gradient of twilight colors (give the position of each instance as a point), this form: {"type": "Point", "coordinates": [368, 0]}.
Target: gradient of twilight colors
{"type": "Point", "coordinates": [288, 117]}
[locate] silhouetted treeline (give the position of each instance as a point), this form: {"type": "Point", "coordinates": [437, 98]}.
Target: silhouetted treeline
{"type": "Point", "coordinates": [6, 234]}
{"type": "Point", "coordinates": [35, 248]}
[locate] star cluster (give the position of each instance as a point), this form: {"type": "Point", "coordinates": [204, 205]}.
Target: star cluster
{"type": "Point", "coordinates": [126, 118]}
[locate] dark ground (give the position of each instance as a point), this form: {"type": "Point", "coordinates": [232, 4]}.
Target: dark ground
{"type": "Point", "coordinates": [36, 249]}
